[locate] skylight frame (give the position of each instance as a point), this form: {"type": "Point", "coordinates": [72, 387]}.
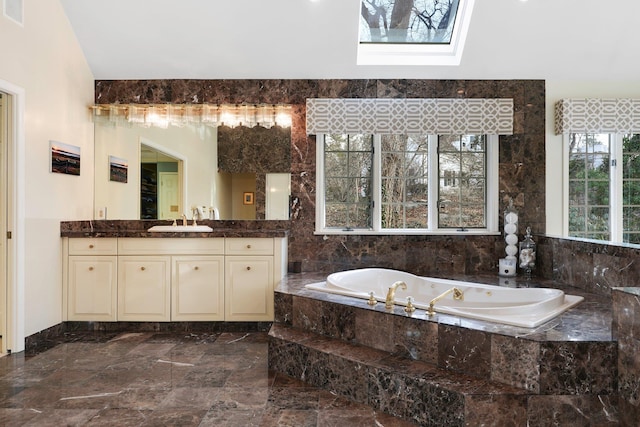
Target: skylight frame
{"type": "Point", "coordinates": [424, 53]}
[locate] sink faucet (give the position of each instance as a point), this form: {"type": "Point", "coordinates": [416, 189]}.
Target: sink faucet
{"type": "Point", "coordinates": [457, 295]}
{"type": "Point", "coordinates": [392, 292]}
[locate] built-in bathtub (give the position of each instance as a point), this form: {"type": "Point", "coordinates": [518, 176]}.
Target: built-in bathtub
{"type": "Point", "coordinates": [524, 307]}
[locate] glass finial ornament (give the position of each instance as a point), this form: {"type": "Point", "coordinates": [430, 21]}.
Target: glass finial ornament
{"type": "Point", "coordinates": [527, 253]}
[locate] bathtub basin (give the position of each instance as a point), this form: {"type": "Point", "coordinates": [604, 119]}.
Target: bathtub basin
{"type": "Point", "coordinates": [525, 307]}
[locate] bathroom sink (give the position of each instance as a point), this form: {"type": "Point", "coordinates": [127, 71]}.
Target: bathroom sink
{"type": "Point", "coordinates": [181, 228]}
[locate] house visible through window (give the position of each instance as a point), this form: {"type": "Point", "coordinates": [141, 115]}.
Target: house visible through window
{"type": "Point", "coordinates": [604, 187]}
{"type": "Point", "coordinates": [406, 183]}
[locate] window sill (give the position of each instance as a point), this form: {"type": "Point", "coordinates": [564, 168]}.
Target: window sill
{"type": "Point", "coordinates": [361, 232]}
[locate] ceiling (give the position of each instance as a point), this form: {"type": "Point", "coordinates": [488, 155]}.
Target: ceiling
{"type": "Point", "coordinates": [316, 39]}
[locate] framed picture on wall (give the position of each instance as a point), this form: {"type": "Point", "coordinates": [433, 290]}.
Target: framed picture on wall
{"type": "Point", "coordinates": [118, 169]}
{"type": "Point", "coordinates": [247, 198]}
{"type": "Point", "coordinates": [64, 158]}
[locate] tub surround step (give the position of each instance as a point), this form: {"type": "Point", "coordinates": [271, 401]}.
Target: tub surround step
{"type": "Point", "coordinates": [446, 370]}
{"type": "Point", "coordinates": [542, 364]}
{"type": "Point", "coordinates": [411, 389]}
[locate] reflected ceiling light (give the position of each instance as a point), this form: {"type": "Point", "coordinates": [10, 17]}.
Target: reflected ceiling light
{"type": "Point", "coordinates": [163, 115]}
{"type": "Point", "coordinates": [283, 116]}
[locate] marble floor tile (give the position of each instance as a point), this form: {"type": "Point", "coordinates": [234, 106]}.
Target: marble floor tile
{"type": "Point", "coordinates": [167, 379]}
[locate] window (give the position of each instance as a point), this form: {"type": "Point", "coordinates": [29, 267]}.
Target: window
{"type": "Point", "coordinates": [413, 32]}
{"type": "Point", "coordinates": [407, 21]}
{"type": "Point", "coordinates": [604, 187]}
{"type": "Point", "coordinates": [393, 184]}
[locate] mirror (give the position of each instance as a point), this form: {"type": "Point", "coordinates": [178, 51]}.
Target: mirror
{"type": "Point", "coordinates": [187, 159]}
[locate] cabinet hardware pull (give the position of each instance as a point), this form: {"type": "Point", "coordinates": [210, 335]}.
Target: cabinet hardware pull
{"type": "Point", "coordinates": [142, 268]}
{"type": "Point", "coordinates": [90, 246]}
{"type": "Point", "coordinates": [248, 268]}
{"type": "Point", "coordinates": [90, 268]}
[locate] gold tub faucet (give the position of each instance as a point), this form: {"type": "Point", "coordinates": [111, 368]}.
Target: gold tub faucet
{"type": "Point", "coordinates": [392, 293]}
{"type": "Point", "coordinates": [457, 295]}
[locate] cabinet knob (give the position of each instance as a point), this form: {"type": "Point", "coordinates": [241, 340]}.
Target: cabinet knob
{"type": "Point", "coordinates": [248, 268]}
{"type": "Point", "coordinates": [90, 268]}
{"type": "Point", "coordinates": [248, 246]}
{"type": "Point", "coordinates": [90, 246]}
{"type": "Point", "coordinates": [142, 268]}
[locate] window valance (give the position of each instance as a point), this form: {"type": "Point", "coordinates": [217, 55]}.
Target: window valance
{"type": "Point", "coordinates": [595, 115]}
{"type": "Point", "coordinates": [410, 116]}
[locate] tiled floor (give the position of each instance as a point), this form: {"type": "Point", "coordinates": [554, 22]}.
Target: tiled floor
{"type": "Point", "coordinates": [148, 379]}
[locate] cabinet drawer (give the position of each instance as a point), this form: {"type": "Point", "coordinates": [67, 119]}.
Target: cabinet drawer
{"type": "Point", "coordinates": [171, 246]}
{"type": "Point", "coordinates": [91, 246]}
{"type": "Point", "coordinates": [248, 246]}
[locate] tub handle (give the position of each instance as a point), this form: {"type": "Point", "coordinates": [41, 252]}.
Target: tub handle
{"type": "Point", "coordinates": [410, 307]}
{"type": "Point", "coordinates": [372, 300]}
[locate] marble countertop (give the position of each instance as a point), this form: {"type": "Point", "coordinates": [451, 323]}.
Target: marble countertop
{"type": "Point", "coordinates": [590, 320]}
{"type": "Point", "coordinates": [138, 228]}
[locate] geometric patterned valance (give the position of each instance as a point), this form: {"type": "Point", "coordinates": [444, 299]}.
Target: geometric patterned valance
{"type": "Point", "coordinates": [410, 116]}
{"type": "Point", "coordinates": [595, 115]}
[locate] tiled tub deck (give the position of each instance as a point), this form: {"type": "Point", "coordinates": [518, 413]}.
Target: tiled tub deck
{"type": "Point", "coordinates": [447, 370]}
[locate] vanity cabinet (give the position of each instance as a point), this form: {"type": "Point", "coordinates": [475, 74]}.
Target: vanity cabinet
{"type": "Point", "coordinates": [144, 288]}
{"type": "Point", "coordinates": [197, 288]}
{"type": "Point", "coordinates": [249, 279]}
{"type": "Point", "coordinates": [92, 279]}
{"type": "Point", "coordinates": [171, 279]}
{"type": "Point", "coordinates": [160, 280]}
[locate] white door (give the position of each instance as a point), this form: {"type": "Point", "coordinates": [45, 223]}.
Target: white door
{"type": "Point", "coordinates": [4, 188]}
{"type": "Point", "coordinates": [278, 189]}
{"type": "Point", "coordinates": [168, 195]}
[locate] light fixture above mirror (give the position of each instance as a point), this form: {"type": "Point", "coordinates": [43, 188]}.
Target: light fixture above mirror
{"type": "Point", "coordinates": [164, 115]}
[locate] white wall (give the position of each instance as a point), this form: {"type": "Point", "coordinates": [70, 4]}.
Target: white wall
{"type": "Point", "coordinates": [555, 91]}
{"type": "Point", "coordinates": [44, 59]}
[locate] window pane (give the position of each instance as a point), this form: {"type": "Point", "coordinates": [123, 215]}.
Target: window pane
{"type": "Point", "coordinates": [462, 181]}
{"type": "Point", "coordinates": [598, 220]}
{"type": "Point", "coordinates": [360, 164]}
{"type": "Point", "coordinates": [407, 21]}
{"type": "Point", "coordinates": [597, 166]}
{"type": "Point", "coordinates": [347, 180]}
{"type": "Point", "coordinates": [577, 192]}
{"type": "Point", "coordinates": [632, 219]}
{"type": "Point", "coordinates": [598, 193]}
{"type": "Point", "coordinates": [577, 220]}
{"type": "Point", "coordinates": [631, 188]}
{"type": "Point", "coordinates": [336, 164]}
{"type": "Point", "coordinates": [589, 183]}
{"type": "Point", "coordinates": [404, 177]}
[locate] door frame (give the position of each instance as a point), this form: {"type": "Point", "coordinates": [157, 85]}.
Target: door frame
{"type": "Point", "coordinates": [13, 337]}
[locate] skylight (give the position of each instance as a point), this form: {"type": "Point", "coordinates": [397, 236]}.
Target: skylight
{"type": "Point", "coordinates": [413, 32]}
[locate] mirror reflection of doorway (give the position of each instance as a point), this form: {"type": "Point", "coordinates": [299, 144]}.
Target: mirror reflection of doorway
{"type": "Point", "coordinates": [160, 184]}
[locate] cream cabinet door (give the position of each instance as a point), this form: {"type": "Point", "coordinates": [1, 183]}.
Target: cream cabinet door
{"type": "Point", "coordinates": [249, 288]}
{"type": "Point", "coordinates": [144, 292]}
{"type": "Point", "coordinates": [197, 288]}
{"type": "Point", "coordinates": [92, 288]}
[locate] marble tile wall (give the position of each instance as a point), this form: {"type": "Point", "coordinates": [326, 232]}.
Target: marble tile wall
{"type": "Point", "coordinates": [591, 266]}
{"type": "Point", "coordinates": [521, 166]}
{"type": "Point", "coordinates": [626, 325]}
{"type": "Point", "coordinates": [594, 267]}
